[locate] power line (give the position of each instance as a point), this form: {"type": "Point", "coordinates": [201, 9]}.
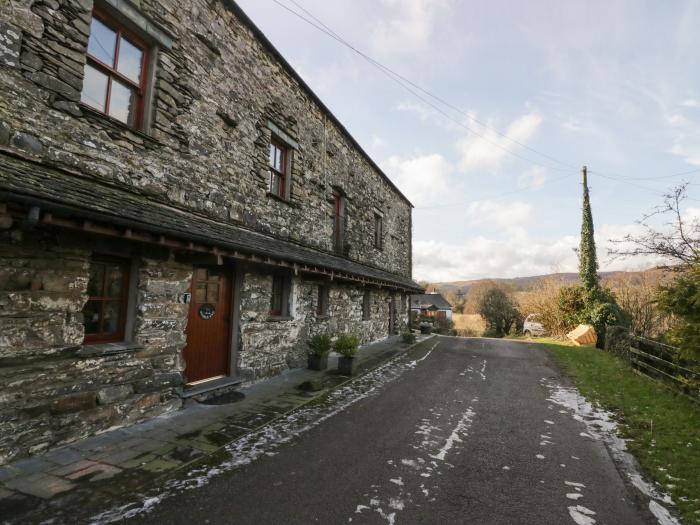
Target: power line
{"type": "Point", "coordinates": [428, 93]}
{"type": "Point", "coordinates": [403, 81]}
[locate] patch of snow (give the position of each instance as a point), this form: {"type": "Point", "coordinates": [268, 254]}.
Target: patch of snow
{"type": "Point", "coordinates": [539, 456]}
{"type": "Point", "coordinates": [662, 514]}
{"type": "Point", "coordinates": [574, 495]}
{"type": "Point", "coordinates": [549, 422]}
{"type": "Point", "coordinates": [454, 437]}
{"type": "Point", "coordinates": [600, 425]}
{"type": "Point", "coordinates": [574, 484]}
{"type": "Point", "coordinates": [398, 482]}
{"type": "Point", "coordinates": [360, 508]}
{"type": "Point", "coordinates": [581, 515]}
{"type": "Point", "coordinates": [506, 468]}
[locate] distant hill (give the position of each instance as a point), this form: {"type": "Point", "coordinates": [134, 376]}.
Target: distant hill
{"type": "Point", "coordinates": [517, 283]}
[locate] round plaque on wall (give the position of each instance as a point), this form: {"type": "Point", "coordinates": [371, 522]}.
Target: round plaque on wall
{"type": "Point", "coordinates": [206, 311]}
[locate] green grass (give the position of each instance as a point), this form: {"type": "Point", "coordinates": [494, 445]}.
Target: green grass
{"type": "Point", "coordinates": [663, 427]}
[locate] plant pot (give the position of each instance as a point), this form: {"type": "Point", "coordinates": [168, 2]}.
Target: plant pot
{"type": "Point", "coordinates": [318, 362]}
{"type": "Point", "coordinates": [346, 365]}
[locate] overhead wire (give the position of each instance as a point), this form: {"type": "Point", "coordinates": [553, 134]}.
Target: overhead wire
{"type": "Point", "coordinates": [412, 88]}
{"type": "Point", "coordinates": [405, 83]}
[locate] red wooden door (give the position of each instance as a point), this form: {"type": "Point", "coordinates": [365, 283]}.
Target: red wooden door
{"type": "Point", "coordinates": [209, 324]}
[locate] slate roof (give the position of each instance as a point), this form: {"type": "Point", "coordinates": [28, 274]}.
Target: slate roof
{"type": "Point", "coordinates": [426, 300]}
{"type": "Point", "coordinates": [30, 182]}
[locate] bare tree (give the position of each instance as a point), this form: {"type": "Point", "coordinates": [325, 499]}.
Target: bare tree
{"type": "Point", "coordinates": [679, 242]}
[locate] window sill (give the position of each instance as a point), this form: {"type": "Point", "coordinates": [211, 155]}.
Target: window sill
{"type": "Point", "coordinates": [92, 112]}
{"type": "Point", "coordinates": [104, 349]}
{"type": "Point", "coordinates": [278, 198]}
{"type": "Point", "coordinates": [279, 318]}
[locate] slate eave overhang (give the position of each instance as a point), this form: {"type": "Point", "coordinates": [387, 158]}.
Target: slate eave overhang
{"type": "Point", "coordinates": [68, 196]}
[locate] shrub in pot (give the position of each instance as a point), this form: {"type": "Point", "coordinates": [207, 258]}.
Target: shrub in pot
{"type": "Point", "coordinates": [319, 347]}
{"type": "Point", "coordinates": [425, 327]}
{"type": "Point", "coordinates": [346, 345]}
{"type": "Point", "coordinates": [408, 337]}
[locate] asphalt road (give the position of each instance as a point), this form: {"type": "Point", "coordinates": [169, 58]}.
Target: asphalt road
{"type": "Point", "coordinates": [460, 434]}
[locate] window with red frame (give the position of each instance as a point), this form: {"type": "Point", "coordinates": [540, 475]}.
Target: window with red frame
{"type": "Point", "coordinates": [104, 315]}
{"type": "Point", "coordinates": [115, 73]}
{"type": "Point", "coordinates": [278, 164]}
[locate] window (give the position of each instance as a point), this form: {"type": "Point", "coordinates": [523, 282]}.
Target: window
{"type": "Point", "coordinates": [281, 291]}
{"type": "Point", "coordinates": [115, 73]}
{"type": "Point", "coordinates": [279, 155]}
{"type": "Point", "coordinates": [104, 315]}
{"type": "Point", "coordinates": [366, 306]}
{"type": "Point", "coordinates": [339, 222]}
{"type": "Point", "coordinates": [378, 231]}
{"type": "Point", "coordinates": [322, 306]}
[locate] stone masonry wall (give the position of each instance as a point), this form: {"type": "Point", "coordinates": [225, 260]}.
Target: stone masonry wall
{"type": "Point", "coordinates": [216, 91]}
{"type": "Point", "coordinates": [268, 347]}
{"type": "Point", "coordinates": [53, 394]}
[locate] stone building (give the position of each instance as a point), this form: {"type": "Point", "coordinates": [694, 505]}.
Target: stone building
{"type": "Point", "coordinates": [178, 212]}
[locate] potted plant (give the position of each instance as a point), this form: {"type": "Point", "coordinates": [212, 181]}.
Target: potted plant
{"type": "Point", "coordinates": [319, 347]}
{"type": "Point", "coordinates": [425, 327]}
{"type": "Point", "coordinates": [346, 345]}
{"type": "Point", "coordinates": [408, 337]}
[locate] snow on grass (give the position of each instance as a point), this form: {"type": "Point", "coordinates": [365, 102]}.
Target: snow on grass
{"type": "Point", "coordinates": [600, 425]}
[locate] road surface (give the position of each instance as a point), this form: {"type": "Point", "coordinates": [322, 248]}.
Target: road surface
{"type": "Point", "coordinates": [457, 431]}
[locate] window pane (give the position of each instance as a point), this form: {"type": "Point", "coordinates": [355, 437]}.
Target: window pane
{"type": "Point", "coordinates": [213, 293]}
{"type": "Point", "coordinates": [122, 103]}
{"type": "Point", "coordinates": [94, 88]}
{"type": "Point", "coordinates": [110, 323]}
{"type": "Point", "coordinates": [129, 63]}
{"type": "Point", "coordinates": [200, 294]}
{"type": "Point", "coordinates": [91, 317]}
{"type": "Point", "coordinates": [115, 281]}
{"type": "Point", "coordinates": [276, 186]}
{"type": "Point", "coordinates": [102, 42]}
{"type": "Point", "coordinates": [96, 279]}
{"type": "Point", "coordinates": [272, 155]}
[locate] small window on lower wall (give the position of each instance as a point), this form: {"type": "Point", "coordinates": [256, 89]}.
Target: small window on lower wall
{"type": "Point", "coordinates": [104, 314]}
{"type": "Point", "coordinates": [366, 306]}
{"type": "Point", "coordinates": [323, 300]}
{"type": "Point", "coordinates": [281, 292]}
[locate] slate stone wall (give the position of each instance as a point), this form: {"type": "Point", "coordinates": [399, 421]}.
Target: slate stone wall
{"type": "Point", "coordinates": [217, 94]}
{"type": "Point", "coordinates": [268, 347]}
{"type": "Point", "coordinates": [54, 390]}
{"type": "Point", "coordinates": [217, 89]}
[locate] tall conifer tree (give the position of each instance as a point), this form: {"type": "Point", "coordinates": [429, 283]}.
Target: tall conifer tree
{"type": "Point", "coordinates": [587, 258]}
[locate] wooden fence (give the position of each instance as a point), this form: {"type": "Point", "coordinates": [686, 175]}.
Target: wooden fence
{"type": "Point", "coordinates": [657, 361]}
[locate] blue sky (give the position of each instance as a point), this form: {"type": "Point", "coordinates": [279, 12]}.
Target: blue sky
{"type": "Point", "coordinates": [614, 85]}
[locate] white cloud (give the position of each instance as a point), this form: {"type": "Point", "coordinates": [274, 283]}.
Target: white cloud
{"type": "Point", "coordinates": [377, 141]}
{"type": "Point", "coordinates": [534, 177]}
{"type": "Point", "coordinates": [518, 255]}
{"type": "Point", "coordinates": [691, 103]}
{"type": "Point", "coordinates": [424, 180]}
{"type": "Point", "coordinates": [507, 215]}
{"type": "Point", "coordinates": [489, 152]}
{"type": "Point", "coordinates": [410, 30]}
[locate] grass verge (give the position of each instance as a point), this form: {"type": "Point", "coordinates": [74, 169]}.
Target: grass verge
{"type": "Point", "coordinates": [663, 427]}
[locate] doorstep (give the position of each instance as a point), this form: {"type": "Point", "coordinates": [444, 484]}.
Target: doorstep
{"type": "Point", "coordinates": [209, 386]}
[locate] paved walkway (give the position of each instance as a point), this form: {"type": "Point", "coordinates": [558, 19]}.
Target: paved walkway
{"type": "Point", "coordinates": [131, 459]}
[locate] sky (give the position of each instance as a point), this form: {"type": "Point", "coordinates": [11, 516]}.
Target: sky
{"type": "Point", "coordinates": [535, 90]}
